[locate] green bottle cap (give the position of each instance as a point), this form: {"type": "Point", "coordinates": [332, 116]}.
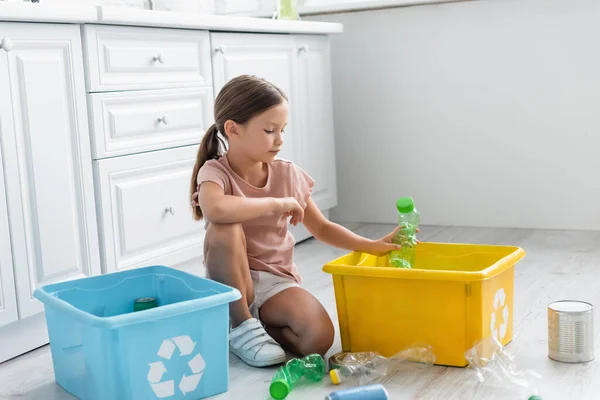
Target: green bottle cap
{"type": "Point", "coordinates": [279, 390]}
{"type": "Point", "coordinates": [405, 205]}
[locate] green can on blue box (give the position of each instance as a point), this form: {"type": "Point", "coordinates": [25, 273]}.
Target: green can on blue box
{"type": "Point", "coordinates": [102, 349]}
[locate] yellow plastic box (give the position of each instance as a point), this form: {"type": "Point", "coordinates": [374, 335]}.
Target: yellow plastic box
{"type": "Point", "coordinates": [454, 296]}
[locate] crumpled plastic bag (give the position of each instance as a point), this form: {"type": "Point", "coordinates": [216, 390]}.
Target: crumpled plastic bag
{"type": "Point", "coordinates": [496, 368]}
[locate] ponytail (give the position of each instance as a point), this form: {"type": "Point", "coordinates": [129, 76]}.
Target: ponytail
{"type": "Point", "coordinates": [209, 150]}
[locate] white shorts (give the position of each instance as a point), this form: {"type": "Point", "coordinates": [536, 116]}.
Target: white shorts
{"type": "Point", "coordinates": [267, 285]}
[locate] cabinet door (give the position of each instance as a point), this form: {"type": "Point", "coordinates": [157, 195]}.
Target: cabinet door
{"type": "Point", "coordinates": [316, 146]}
{"type": "Point", "coordinates": [146, 213]}
{"type": "Point", "coordinates": [272, 57]}
{"type": "Point", "coordinates": [8, 297]}
{"type": "Point", "coordinates": [48, 166]}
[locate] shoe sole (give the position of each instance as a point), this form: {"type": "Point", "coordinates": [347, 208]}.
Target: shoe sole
{"type": "Point", "coordinates": [254, 363]}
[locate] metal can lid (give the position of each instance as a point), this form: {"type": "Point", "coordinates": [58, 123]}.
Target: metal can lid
{"type": "Point", "coordinates": [145, 300]}
{"type": "Point", "coordinates": [570, 306]}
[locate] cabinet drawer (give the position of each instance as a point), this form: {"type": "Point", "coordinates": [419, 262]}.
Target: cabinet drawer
{"type": "Point", "coordinates": [128, 58]}
{"type": "Point", "coordinates": [146, 216]}
{"type": "Point", "coordinates": [133, 122]}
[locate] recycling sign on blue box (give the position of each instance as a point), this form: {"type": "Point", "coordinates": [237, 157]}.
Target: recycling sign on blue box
{"type": "Point", "coordinates": [188, 382]}
{"type": "Point", "coordinates": [183, 361]}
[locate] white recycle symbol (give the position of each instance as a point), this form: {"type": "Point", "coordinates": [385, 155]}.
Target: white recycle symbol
{"type": "Point", "coordinates": [499, 304]}
{"type": "Point", "coordinates": [188, 383]}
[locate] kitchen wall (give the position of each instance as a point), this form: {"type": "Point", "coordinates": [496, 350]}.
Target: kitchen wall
{"type": "Point", "coordinates": [487, 112]}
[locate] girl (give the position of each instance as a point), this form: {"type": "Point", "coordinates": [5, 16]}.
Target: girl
{"type": "Point", "coordinates": [246, 197]}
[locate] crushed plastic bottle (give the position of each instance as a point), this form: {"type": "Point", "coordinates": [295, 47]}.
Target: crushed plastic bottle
{"type": "Point", "coordinates": [311, 367]}
{"type": "Point", "coordinates": [408, 221]}
{"type": "Point", "coordinates": [365, 368]}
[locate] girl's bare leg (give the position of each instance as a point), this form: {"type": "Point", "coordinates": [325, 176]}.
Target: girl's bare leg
{"type": "Point", "coordinates": [226, 260]}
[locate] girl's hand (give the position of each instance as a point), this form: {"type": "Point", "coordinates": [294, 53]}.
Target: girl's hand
{"type": "Point", "coordinates": [289, 207]}
{"type": "Point", "coordinates": [383, 246]}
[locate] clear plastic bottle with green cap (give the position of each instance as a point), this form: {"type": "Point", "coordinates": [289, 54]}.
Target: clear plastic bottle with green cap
{"type": "Point", "coordinates": [408, 221]}
{"type": "Point", "coordinates": [311, 367]}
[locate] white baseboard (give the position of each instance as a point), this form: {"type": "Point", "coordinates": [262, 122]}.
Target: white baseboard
{"type": "Point", "coordinates": [23, 336]}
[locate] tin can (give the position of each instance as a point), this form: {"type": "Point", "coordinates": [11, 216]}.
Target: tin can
{"type": "Point", "coordinates": [144, 303]}
{"type": "Point", "coordinates": [571, 331]}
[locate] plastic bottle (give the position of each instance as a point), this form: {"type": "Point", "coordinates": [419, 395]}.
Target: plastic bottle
{"type": "Point", "coordinates": [287, 9]}
{"type": "Point", "coordinates": [408, 220]}
{"type": "Point", "coordinates": [312, 367]}
{"type": "Point", "coordinates": [372, 392]}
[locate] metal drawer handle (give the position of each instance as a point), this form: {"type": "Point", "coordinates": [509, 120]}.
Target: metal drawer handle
{"type": "Point", "coordinates": [220, 49]}
{"type": "Point", "coordinates": [164, 119]}
{"type": "Point", "coordinates": [159, 57]}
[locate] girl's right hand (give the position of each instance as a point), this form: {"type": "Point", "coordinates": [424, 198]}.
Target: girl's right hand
{"type": "Point", "coordinates": [289, 206]}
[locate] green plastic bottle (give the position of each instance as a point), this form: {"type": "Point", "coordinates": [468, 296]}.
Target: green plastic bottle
{"type": "Point", "coordinates": [287, 9]}
{"type": "Point", "coordinates": [311, 367]}
{"type": "Point", "coordinates": [408, 220]}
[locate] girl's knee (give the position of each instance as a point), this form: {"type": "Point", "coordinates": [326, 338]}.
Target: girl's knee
{"type": "Point", "coordinates": [224, 235]}
{"type": "Point", "coordinates": [318, 337]}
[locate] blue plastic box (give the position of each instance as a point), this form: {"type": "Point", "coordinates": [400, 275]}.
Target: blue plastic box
{"type": "Point", "coordinates": [102, 349]}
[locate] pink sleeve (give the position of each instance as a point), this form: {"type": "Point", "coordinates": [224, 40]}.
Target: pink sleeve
{"type": "Point", "coordinates": [303, 185]}
{"type": "Point", "coordinates": [211, 172]}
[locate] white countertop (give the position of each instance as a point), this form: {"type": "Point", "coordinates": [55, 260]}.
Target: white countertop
{"type": "Point", "coordinates": [316, 7]}
{"type": "Point", "coordinates": [31, 12]}
{"type": "Point", "coordinates": [130, 16]}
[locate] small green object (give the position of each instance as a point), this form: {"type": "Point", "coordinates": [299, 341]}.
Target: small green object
{"type": "Point", "coordinates": [405, 205]}
{"type": "Point", "coordinates": [280, 389]}
{"type": "Point", "coordinates": [287, 9]}
{"type": "Point", "coordinates": [312, 367]}
{"type": "Point", "coordinates": [535, 397]}
{"type": "Point", "coordinates": [144, 303]}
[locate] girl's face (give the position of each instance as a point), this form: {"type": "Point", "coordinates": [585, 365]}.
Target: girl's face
{"type": "Point", "coordinates": [261, 138]}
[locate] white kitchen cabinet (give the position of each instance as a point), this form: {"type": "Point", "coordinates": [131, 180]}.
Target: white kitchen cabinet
{"type": "Point", "coordinates": [315, 105]}
{"type": "Point", "coordinates": [8, 297]}
{"type": "Point", "coordinates": [47, 160]}
{"type": "Point", "coordinates": [272, 57]}
{"type": "Point", "coordinates": [146, 215]}
{"type": "Point", "coordinates": [300, 66]}
{"type": "Point", "coordinates": [137, 100]}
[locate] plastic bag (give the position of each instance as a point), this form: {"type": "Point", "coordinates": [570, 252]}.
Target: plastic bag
{"type": "Point", "coordinates": [496, 369]}
{"type": "Point", "coordinates": [364, 368]}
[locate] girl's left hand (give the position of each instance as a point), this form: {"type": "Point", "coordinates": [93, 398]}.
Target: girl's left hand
{"type": "Point", "coordinates": [384, 245]}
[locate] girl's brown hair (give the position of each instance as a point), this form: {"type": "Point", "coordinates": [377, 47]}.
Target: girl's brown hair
{"type": "Point", "coordinates": [240, 100]}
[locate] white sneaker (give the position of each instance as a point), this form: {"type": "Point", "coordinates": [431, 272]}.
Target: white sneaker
{"type": "Point", "coordinates": [250, 342]}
